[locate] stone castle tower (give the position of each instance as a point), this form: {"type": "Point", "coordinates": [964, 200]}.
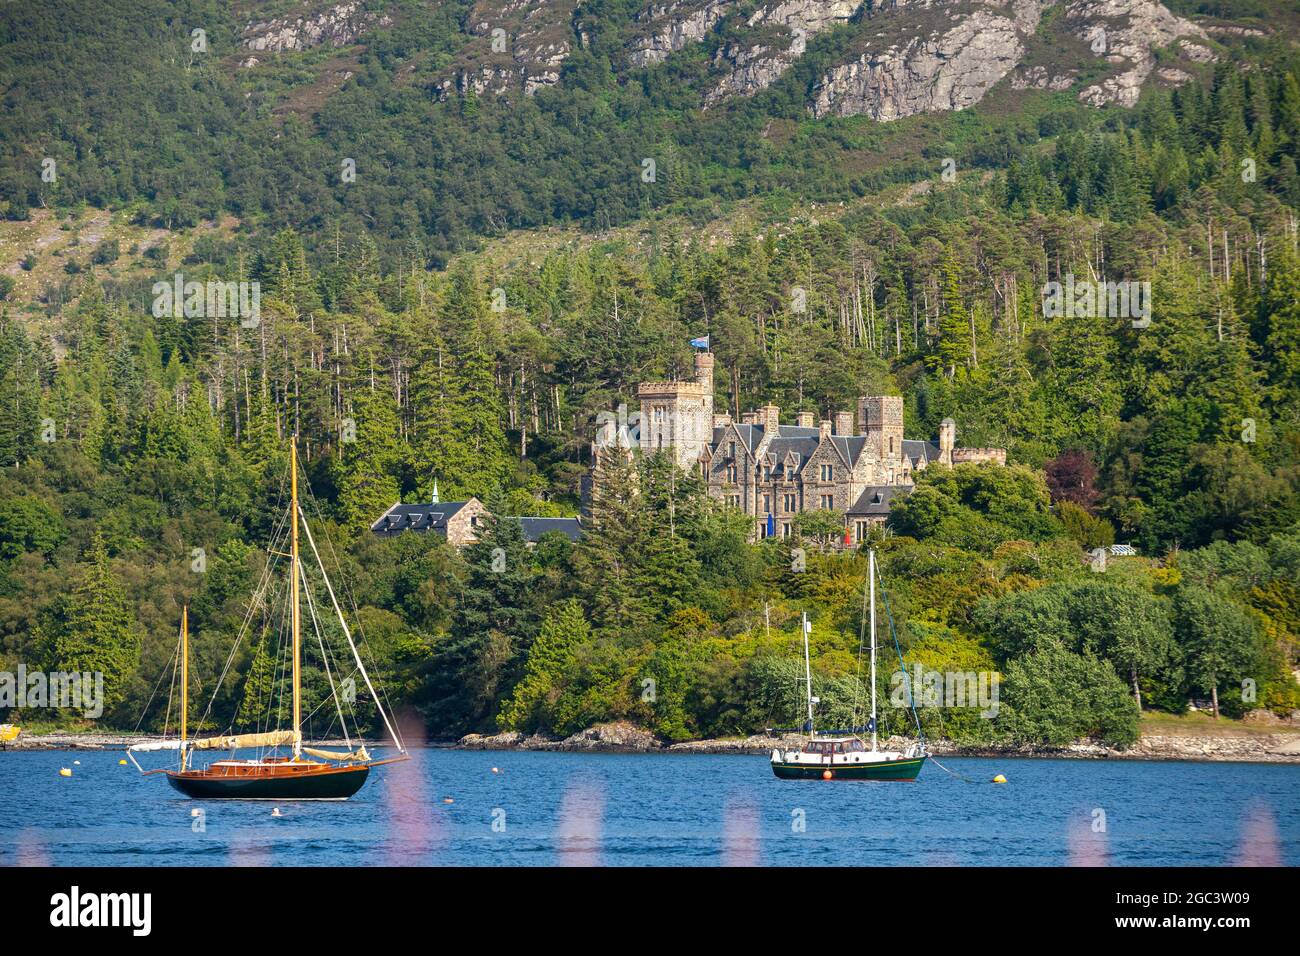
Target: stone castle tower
{"type": "Point", "coordinates": [880, 419]}
{"type": "Point", "coordinates": [679, 415]}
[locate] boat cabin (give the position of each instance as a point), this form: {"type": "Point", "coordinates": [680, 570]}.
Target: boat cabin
{"type": "Point", "coordinates": [851, 745]}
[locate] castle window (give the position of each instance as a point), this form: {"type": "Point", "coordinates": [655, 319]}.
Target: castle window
{"type": "Point", "coordinates": [828, 472]}
{"type": "Point", "coordinates": [731, 473]}
{"type": "Point", "coordinates": [659, 413]}
{"type": "Point", "coordinates": [733, 500]}
{"type": "Point", "coordinates": [791, 503]}
{"type": "Point", "coordinates": [891, 444]}
{"type": "Point", "coordinates": [828, 502]}
{"type": "Point", "coordinates": [733, 449]}
{"type": "Point", "coordinates": [861, 532]}
{"type": "Point", "coordinates": [785, 529]}
{"type": "Point", "coordinates": [767, 504]}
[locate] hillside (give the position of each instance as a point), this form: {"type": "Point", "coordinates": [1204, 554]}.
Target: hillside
{"type": "Point", "coordinates": [464, 255]}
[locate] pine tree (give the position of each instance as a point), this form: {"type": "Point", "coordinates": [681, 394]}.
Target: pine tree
{"type": "Point", "coordinates": [96, 632]}
{"type": "Point", "coordinates": [367, 479]}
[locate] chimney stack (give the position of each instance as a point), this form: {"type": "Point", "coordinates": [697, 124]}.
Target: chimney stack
{"type": "Point", "coordinates": [770, 419]}
{"type": "Point", "coordinates": [806, 420]}
{"type": "Point", "coordinates": [825, 429]}
{"type": "Point", "coordinates": [843, 423]}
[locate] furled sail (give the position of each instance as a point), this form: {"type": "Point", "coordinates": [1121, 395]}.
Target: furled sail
{"type": "Point", "coordinates": [274, 738]}
{"type": "Point", "coordinates": [358, 756]}
{"type": "Point", "coordinates": [151, 745]}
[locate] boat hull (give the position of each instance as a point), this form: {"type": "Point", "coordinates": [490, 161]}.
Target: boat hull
{"type": "Point", "coordinates": [276, 783]}
{"type": "Point", "coordinates": [905, 769]}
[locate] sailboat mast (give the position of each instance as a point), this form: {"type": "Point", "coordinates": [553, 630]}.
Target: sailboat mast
{"type": "Point", "coordinates": [807, 670]}
{"type": "Point", "coordinates": [294, 611]}
{"type": "Point", "coordinates": [871, 573]}
{"type": "Point", "coordinates": [185, 678]}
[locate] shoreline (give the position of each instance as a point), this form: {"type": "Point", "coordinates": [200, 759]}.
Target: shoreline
{"type": "Point", "coordinates": [624, 738]}
{"type": "Point", "coordinates": [1271, 748]}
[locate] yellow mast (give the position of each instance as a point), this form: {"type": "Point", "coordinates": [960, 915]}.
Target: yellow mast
{"type": "Point", "coordinates": [293, 575]}
{"type": "Point", "coordinates": [185, 677]}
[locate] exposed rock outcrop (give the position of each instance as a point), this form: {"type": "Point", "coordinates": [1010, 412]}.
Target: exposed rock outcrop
{"type": "Point", "coordinates": [338, 25]}
{"type": "Point", "coordinates": [520, 44]}
{"type": "Point", "coordinates": [787, 27]}
{"type": "Point", "coordinates": [1126, 33]}
{"type": "Point", "coordinates": [948, 71]}
{"type": "Point", "coordinates": [676, 26]}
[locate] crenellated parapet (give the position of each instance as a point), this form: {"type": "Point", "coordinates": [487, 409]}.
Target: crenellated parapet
{"type": "Point", "coordinates": [961, 456]}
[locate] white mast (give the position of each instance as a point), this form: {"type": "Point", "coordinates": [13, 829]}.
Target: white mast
{"type": "Point", "coordinates": [871, 573]}
{"type": "Point", "coordinates": [807, 670]}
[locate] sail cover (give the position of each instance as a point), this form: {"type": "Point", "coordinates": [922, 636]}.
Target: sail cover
{"type": "Point", "coordinates": [358, 756]}
{"type": "Point", "coordinates": [274, 738]}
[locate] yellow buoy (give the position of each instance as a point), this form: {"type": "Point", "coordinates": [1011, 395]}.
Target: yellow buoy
{"type": "Point", "coordinates": [65, 772]}
{"type": "Point", "coordinates": [999, 779]}
{"type": "Point", "coordinates": [121, 763]}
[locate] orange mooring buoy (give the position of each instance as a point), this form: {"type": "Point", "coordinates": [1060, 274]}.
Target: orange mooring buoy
{"type": "Point", "coordinates": [826, 774]}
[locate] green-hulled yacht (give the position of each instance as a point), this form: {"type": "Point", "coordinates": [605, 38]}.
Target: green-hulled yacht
{"type": "Point", "coordinates": [840, 755]}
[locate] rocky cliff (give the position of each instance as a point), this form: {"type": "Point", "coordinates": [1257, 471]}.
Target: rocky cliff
{"type": "Point", "coordinates": [886, 59]}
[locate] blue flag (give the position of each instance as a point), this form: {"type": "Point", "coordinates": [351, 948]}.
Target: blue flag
{"type": "Point", "coordinates": [700, 343]}
{"type": "Point", "coordinates": [771, 525]}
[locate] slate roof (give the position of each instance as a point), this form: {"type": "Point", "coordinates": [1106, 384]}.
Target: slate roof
{"type": "Point", "coordinates": [425, 516]}
{"type": "Point", "coordinates": [920, 451]}
{"type": "Point", "coordinates": [417, 517]}
{"type": "Point", "coordinates": [875, 500]}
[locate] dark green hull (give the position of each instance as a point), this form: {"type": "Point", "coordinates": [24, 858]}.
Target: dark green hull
{"type": "Point", "coordinates": [335, 785]}
{"type": "Point", "coordinates": [888, 770]}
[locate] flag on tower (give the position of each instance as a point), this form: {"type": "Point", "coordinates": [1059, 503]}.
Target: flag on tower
{"type": "Point", "coordinates": [702, 343]}
{"type": "Point", "coordinates": [771, 525]}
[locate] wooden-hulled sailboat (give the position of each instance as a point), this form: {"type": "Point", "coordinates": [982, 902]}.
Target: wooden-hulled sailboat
{"type": "Point", "coordinates": [332, 775]}
{"type": "Point", "coordinates": [841, 755]}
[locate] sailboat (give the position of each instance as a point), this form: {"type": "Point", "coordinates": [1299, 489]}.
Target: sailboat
{"type": "Point", "coordinates": [842, 755]}
{"type": "Point", "coordinates": [332, 775]}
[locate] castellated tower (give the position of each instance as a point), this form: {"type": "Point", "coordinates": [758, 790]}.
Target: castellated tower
{"type": "Point", "coordinates": [679, 415]}
{"type": "Point", "coordinates": [880, 419]}
{"type": "Point", "coordinates": [947, 440]}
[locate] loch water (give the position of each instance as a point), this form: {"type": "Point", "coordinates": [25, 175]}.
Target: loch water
{"type": "Point", "coordinates": [449, 807]}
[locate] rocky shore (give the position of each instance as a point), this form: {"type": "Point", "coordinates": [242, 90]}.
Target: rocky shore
{"type": "Point", "coordinates": [622, 737]}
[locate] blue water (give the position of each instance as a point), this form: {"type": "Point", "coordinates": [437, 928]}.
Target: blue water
{"type": "Point", "coordinates": [549, 808]}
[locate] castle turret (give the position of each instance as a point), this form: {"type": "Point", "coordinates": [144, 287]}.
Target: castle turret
{"type": "Point", "coordinates": [678, 416]}
{"type": "Point", "coordinates": [880, 418]}
{"type": "Point", "coordinates": [947, 440]}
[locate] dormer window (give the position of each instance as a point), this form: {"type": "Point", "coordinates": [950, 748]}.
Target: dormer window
{"type": "Point", "coordinates": [828, 472]}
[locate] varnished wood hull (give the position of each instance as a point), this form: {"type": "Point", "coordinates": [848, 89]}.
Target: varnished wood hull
{"type": "Point", "coordinates": [273, 782]}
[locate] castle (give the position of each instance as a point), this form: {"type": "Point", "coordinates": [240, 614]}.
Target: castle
{"type": "Point", "coordinates": [852, 464]}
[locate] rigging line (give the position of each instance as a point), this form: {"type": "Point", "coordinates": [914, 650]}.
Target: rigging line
{"type": "Point", "coordinates": [158, 683]}
{"type": "Point", "coordinates": [348, 634]}
{"type": "Point", "coordinates": [255, 601]}
{"type": "Point", "coordinates": [893, 631]}
{"type": "Point", "coordinates": [346, 583]}
{"type": "Point", "coordinates": [315, 623]}
{"type": "Point", "coordinates": [857, 678]}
